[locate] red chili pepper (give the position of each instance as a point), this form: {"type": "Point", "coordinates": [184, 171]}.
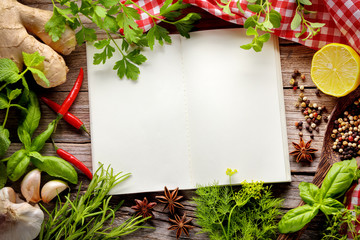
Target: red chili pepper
{"type": "Point", "coordinates": [72, 95]}
{"type": "Point", "coordinates": [73, 160]}
{"type": "Point", "coordinates": [68, 117]}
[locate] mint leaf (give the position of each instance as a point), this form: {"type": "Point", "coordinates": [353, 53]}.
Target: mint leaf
{"type": "Point", "coordinates": [40, 74]}
{"type": "Point", "coordinates": [32, 60]}
{"type": "Point", "coordinates": [275, 18]}
{"type": "Point", "coordinates": [264, 38]}
{"type": "Point", "coordinates": [250, 21]}
{"type": "Point", "coordinates": [8, 71]}
{"type": "Point", "coordinates": [4, 141]}
{"type": "Point", "coordinates": [251, 31]}
{"type": "Point", "coordinates": [14, 94]}
{"type": "Point", "coordinates": [4, 103]}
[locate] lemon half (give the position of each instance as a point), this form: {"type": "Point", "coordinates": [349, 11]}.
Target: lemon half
{"type": "Point", "coordinates": [335, 69]}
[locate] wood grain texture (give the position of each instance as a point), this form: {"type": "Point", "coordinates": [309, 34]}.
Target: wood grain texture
{"type": "Point", "coordinates": [293, 56]}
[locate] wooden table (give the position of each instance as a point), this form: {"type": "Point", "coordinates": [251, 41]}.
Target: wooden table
{"type": "Point", "coordinates": [293, 56]}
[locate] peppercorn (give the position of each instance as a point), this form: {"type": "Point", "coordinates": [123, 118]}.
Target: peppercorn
{"type": "Point", "coordinates": [300, 134]}
{"type": "Point", "coordinates": [317, 92]}
{"type": "Point", "coordinates": [312, 136]}
{"type": "Point", "coordinates": [302, 88]}
{"type": "Point", "coordinates": [297, 105]}
{"type": "Point", "coordinates": [296, 72]}
{"type": "Point", "coordinates": [305, 98]}
{"type": "Point", "coordinates": [317, 129]}
{"type": "Point", "coordinates": [301, 95]}
{"type": "Point", "coordinates": [294, 88]}
{"type": "Point", "coordinates": [292, 81]}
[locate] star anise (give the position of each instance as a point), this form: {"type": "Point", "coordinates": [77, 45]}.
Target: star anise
{"type": "Point", "coordinates": [144, 208]}
{"type": "Point", "coordinates": [170, 199]}
{"type": "Point", "coordinates": [303, 151]}
{"type": "Point", "coordinates": [180, 225]}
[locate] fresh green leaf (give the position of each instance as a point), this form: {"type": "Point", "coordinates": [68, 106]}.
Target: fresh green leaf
{"type": "Point", "coordinates": [250, 21]}
{"type": "Point", "coordinates": [17, 165]}
{"type": "Point", "coordinates": [120, 67]}
{"type": "Point", "coordinates": [32, 118]}
{"type": "Point", "coordinates": [8, 71]}
{"type": "Point", "coordinates": [32, 60]}
{"type": "Point", "coordinates": [40, 74]}
{"type": "Point", "coordinates": [175, 6]}
{"type": "Point", "coordinates": [56, 25]}
{"type": "Point", "coordinates": [56, 167]}
{"type": "Point", "coordinates": [338, 179]}
{"type": "Point", "coordinates": [39, 142]}
{"type": "Point", "coordinates": [267, 25]}
{"type": "Point", "coordinates": [251, 31]}
{"type": "Point", "coordinates": [309, 193]}
{"type": "Point", "coordinates": [86, 34]}
{"type": "Point", "coordinates": [136, 57]}
{"type": "Point", "coordinates": [108, 3]}
{"type": "Point", "coordinates": [275, 18]}
{"type": "Point", "coordinates": [247, 46]}
{"type": "Point", "coordinates": [3, 175]}
{"type": "Point", "coordinates": [100, 11]}
{"type": "Point", "coordinates": [300, 33]}
{"type": "Point", "coordinates": [239, 7]}
{"type": "Point", "coordinates": [184, 25]}
{"type": "Point", "coordinates": [295, 23]}
{"type": "Point", "coordinates": [36, 155]}
{"type": "Point", "coordinates": [297, 218]}
{"type": "Point", "coordinates": [317, 25]}
{"type": "Point", "coordinates": [265, 37]}
{"type": "Point", "coordinates": [111, 24]}
{"type": "Point", "coordinates": [330, 206]}
{"type": "Point", "coordinates": [24, 137]}
{"type": "Point", "coordinates": [4, 140]}
{"type": "Point", "coordinates": [160, 34]}
{"type": "Point", "coordinates": [14, 94]}
{"type": "Point", "coordinates": [105, 54]}
{"type": "Point", "coordinates": [4, 103]}
{"type": "Point", "coordinates": [254, 7]}
{"type": "Point", "coordinates": [305, 2]}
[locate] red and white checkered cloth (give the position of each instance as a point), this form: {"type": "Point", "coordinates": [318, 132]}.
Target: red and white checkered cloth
{"type": "Point", "coordinates": [341, 18]}
{"type": "Point", "coordinates": [353, 199]}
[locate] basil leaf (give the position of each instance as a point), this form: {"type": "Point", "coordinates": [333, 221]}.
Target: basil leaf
{"type": "Point", "coordinates": [56, 167]}
{"type": "Point", "coordinates": [309, 192]}
{"type": "Point", "coordinates": [338, 179]}
{"type": "Point", "coordinates": [25, 138]}
{"type": "Point", "coordinates": [3, 175]}
{"type": "Point", "coordinates": [330, 206]}
{"type": "Point", "coordinates": [32, 118]}
{"type": "Point", "coordinates": [17, 165]}
{"type": "Point", "coordinates": [297, 218]}
{"type": "Point", "coordinates": [39, 142]}
{"type": "Point", "coordinates": [4, 140]}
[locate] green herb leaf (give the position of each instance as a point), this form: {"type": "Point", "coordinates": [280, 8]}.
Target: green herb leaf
{"type": "Point", "coordinates": [86, 34]}
{"type": "Point", "coordinates": [297, 218]}
{"type": "Point", "coordinates": [4, 141]}
{"type": "Point", "coordinates": [39, 142]}
{"type": "Point", "coordinates": [136, 57]}
{"type": "Point", "coordinates": [17, 165]}
{"type": "Point", "coordinates": [250, 21]}
{"type": "Point", "coordinates": [317, 25]}
{"type": "Point", "coordinates": [338, 179]}
{"type": "Point", "coordinates": [184, 25]}
{"type": "Point", "coordinates": [111, 24]}
{"type": "Point", "coordinates": [4, 103]}
{"type": "Point", "coordinates": [40, 74]}
{"type": "Point", "coordinates": [247, 46]}
{"type": "Point", "coordinates": [56, 167]}
{"type": "Point", "coordinates": [32, 118]}
{"type": "Point", "coordinates": [100, 11]}
{"type": "Point", "coordinates": [108, 3]}
{"type": "Point", "coordinates": [264, 38]}
{"type": "Point", "coordinates": [3, 175]}
{"type": "Point", "coordinates": [251, 31]}
{"type": "Point", "coordinates": [275, 18]}
{"type": "Point", "coordinates": [160, 34]}
{"type": "Point", "coordinates": [56, 25]}
{"type": "Point", "coordinates": [239, 7]}
{"type": "Point", "coordinates": [105, 54]}
{"type": "Point", "coordinates": [295, 23]}
{"type": "Point", "coordinates": [14, 94]}
{"type": "Point", "coordinates": [330, 206]}
{"type": "Point", "coordinates": [254, 7]}
{"type": "Point", "coordinates": [305, 2]}
{"type": "Point", "coordinates": [32, 60]}
{"type": "Point", "coordinates": [8, 71]}
{"type": "Point", "coordinates": [25, 138]}
{"type": "Point", "coordinates": [308, 192]}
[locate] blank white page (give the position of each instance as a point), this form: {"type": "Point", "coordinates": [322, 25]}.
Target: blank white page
{"type": "Point", "coordinates": [139, 127]}
{"type": "Point", "coordinates": [236, 108]}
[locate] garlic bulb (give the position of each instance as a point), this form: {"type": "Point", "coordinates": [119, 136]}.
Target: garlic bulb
{"type": "Point", "coordinates": [51, 189]}
{"type": "Point", "coordinates": [30, 186]}
{"type": "Point", "coordinates": [18, 221]}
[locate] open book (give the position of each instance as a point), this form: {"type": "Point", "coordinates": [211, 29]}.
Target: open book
{"type": "Point", "coordinates": [200, 106]}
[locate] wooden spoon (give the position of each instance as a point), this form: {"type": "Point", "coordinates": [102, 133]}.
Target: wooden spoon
{"type": "Point", "coordinates": [328, 156]}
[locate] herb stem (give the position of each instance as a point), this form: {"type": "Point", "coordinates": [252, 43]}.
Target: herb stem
{"type": "Point", "coordinates": [150, 15]}
{"type": "Point", "coordinates": [6, 114]}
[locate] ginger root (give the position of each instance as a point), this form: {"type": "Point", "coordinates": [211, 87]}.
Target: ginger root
{"type": "Point", "coordinates": [17, 22]}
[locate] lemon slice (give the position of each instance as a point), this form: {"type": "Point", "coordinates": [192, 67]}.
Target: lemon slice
{"type": "Point", "coordinates": [335, 69]}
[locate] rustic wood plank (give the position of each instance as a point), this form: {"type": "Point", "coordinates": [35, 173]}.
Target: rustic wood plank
{"type": "Point", "coordinates": [293, 56]}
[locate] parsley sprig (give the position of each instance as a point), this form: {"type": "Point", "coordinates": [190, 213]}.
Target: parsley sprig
{"type": "Point", "coordinates": [112, 15]}
{"type": "Point", "coordinates": [299, 20]}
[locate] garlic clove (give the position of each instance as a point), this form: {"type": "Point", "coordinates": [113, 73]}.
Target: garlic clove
{"type": "Point", "coordinates": [51, 189]}
{"type": "Point", "coordinates": [7, 193]}
{"type": "Point", "coordinates": [30, 186]}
